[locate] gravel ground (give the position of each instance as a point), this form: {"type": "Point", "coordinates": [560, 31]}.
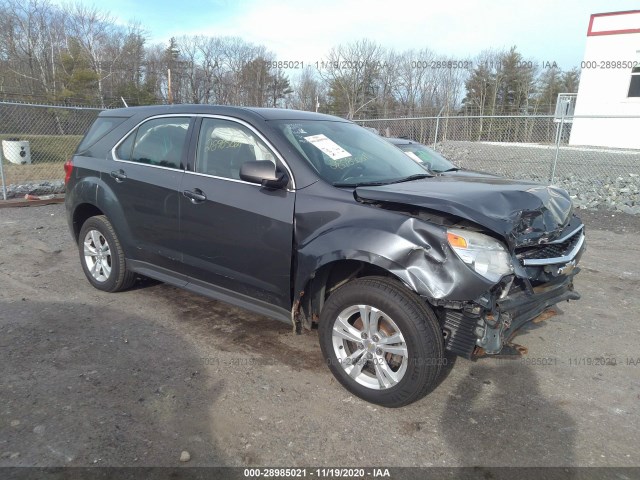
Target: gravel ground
{"type": "Point", "coordinates": [596, 178]}
{"type": "Point", "coordinates": [136, 378]}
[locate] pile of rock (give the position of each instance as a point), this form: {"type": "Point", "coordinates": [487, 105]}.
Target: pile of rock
{"type": "Point", "coordinates": [620, 193]}
{"type": "Point", "coordinates": [579, 173]}
{"type": "Point", "coordinates": [37, 188]}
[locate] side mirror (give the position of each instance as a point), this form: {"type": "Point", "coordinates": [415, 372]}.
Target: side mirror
{"type": "Point", "coordinates": [263, 172]}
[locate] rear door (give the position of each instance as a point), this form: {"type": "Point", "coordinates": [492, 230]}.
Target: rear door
{"type": "Point", "coordinates": [237, 236]}
{"type": "Point", "coordinates": [146, 179]}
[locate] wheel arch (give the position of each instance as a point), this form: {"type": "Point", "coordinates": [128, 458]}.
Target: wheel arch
{"type": "Point", "coordinates": [92, 196]}
{"type": "Point", "coordinates": [81, 214]}
{"type": "Point", "coordinates": [326, 279]}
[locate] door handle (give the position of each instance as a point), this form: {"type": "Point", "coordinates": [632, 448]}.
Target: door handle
{"type": "Point", "coordinates": [119, 175]}
{"type": "Point", "coordinates": [196, 195]}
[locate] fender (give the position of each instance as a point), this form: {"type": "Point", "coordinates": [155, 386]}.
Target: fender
{"type": "Point", "coordinates": [94, 191]}
{"type": "Point", "coordinates": [413, 250]}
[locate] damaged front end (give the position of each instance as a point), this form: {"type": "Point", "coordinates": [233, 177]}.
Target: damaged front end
{"type": "Point", "coordinates": [542, 277]}
{"type": "Point", "coordinates": [524, 242]}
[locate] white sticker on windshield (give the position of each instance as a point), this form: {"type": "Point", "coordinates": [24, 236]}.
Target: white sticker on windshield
{"type": "Point", "coordinates": [414, 157]}
{"type": "Point", "coordinates": [327, 146]}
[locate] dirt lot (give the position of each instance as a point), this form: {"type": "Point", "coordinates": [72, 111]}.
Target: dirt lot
{"type": "Point", "coordinates": [88, 378]}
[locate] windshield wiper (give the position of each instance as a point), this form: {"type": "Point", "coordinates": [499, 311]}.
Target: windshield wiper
{"type": "Point", "coordinates": [452, 169]}
{"type": "Point", "coordinates": [387, 182]}
{"type": "Point", "coordinates": [412, 177]}
{"type": "Point", "coordinates": [360, 184]}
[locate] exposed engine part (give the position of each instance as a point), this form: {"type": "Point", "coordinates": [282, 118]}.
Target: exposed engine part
{"type": "Point", "coordinates": [492, 335]}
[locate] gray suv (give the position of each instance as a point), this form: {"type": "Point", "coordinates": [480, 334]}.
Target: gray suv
{"type": "Point", "coordinates": [315, 221]}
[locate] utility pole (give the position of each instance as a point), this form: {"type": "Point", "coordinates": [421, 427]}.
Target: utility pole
{"type": "Point", "coordinates": [169, 94]}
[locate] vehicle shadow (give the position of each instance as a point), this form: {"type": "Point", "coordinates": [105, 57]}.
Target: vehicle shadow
{"type": "Point", "coordinates": [143, 283]}
{"type": "Point", "coordinates": [497, 416]}
{"type": "Point", "coordinates": [447, 367]}
{"type": "Point", "coordinates": [89, 385]}
{"type": "Point", "coordinates": [245, 332]}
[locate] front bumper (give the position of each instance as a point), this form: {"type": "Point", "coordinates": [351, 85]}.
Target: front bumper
{"type": "Point", "coordinates": [543, 277]}
{"type": "Point", "coordinates": [488, 328]}
{"type": "Point", "coordinates": [523, 307]}
{"type": "Point", "coordinates": [488, 323]}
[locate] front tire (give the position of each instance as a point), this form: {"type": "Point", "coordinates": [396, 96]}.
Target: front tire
{"type": "Point", "coordinates": [381, 341]}
{"type": "Point", "coordinates": [102, 257]}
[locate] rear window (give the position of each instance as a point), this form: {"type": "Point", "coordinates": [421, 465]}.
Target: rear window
{"type": "Point", "coordinates": [99, 129]}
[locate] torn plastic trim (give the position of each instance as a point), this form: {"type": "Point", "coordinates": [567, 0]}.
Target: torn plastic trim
{"type": "Point", "coordinates": [489, 322]}
{"type": "Point", "coordinates": [503, 316]}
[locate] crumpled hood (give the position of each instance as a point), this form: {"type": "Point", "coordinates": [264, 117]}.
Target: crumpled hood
{"type": "Point", "coordinates": [522, 212]}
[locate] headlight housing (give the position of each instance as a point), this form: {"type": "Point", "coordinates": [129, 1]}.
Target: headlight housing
{"type": "Point", "coordinates": [484, 254]}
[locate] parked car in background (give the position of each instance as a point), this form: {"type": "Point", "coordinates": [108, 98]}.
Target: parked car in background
{"type": "Point", "coordinates": [315, 221]}
{"type": "Point", "coordinates": [424, 155]}
{"type": "Point", "coordinates": [431, 159]}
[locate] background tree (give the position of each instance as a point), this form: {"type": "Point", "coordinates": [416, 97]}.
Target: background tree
{"type": "Point", "coordinates": [308, 92]}
{"type": "Point", "coordinates": [30, 45]}
{"type": "Point", "coordinates": [79, 54]}
{"type": "Point", "coordinates": [352, 73]}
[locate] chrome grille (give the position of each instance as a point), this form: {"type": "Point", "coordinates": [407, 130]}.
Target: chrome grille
{"type": "Point", "coordinates": [548, 253]}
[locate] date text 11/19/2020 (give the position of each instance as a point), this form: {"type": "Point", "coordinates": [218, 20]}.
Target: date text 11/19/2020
{"type": "Point", "coordinates": [327, 472]}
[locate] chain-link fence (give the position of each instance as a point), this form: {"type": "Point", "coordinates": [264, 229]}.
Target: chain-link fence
{"type": "Point", "coordinates": [596, 158]}
{"type": "Point", "coordinates": [36, 140]}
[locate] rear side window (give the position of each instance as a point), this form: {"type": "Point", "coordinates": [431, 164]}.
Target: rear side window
{"type": "Point", "coordinates": [158, 142]}
{"type": "Point", "coordinates": [99, 129]}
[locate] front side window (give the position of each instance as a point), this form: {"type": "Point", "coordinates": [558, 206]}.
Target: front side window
{"type": "Point", "coordinates": [159, 142]}
{"type": "Point", "coordinates": [223, 146]}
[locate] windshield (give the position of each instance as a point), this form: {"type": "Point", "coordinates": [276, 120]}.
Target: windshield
{"type": "Point", "coordinates": [432, 159]}
{"type": "Point", "coordinates": [345, 154]}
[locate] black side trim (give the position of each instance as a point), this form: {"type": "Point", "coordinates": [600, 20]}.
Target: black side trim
{"type": "Point", "coordinates": [158, 273]}
{"type": "Point", "coordinates": [243, 301]}
{"type": "Point", "coordinates": [209, 290]}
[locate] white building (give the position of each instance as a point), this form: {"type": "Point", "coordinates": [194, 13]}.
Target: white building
{"type": "Point", "coordinates": [610, 82]}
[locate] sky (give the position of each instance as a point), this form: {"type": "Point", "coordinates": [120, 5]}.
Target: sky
{"type": "Point", "coordinates": [305, 31]}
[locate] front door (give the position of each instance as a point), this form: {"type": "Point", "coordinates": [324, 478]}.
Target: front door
{"type": "Point", "coordinates": [236, 236]}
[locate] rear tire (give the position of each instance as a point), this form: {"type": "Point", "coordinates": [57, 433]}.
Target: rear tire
{"type": "Point", "coordinates": [102, 257]}
{"type": "Point", "coordinates": [381, 341]}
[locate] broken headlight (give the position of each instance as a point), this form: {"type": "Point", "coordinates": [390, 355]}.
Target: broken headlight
{"type": "Point", "coordinates": [486, 255]}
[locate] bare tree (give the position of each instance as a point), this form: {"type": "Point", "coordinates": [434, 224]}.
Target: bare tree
{"type": "Point", "coordinates": [80, 53]}
{"type": "Point", "coordinates": [191, 55]}
{"type": "Point", "coordinates": [94, 32]}
{"type": "Point", "coordinates": [30, 42]}
{"type": "Point", "coordinates": [415, 84]}
{"type": "Point", "coordinates": [211, 68]}
{"type": "Point", "coordinates": [351, 72]}
{"type": "Point", "coordinates": [308, 91]}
